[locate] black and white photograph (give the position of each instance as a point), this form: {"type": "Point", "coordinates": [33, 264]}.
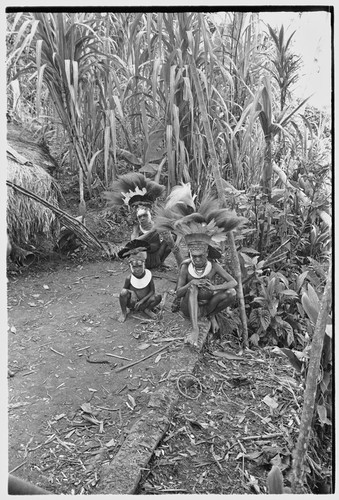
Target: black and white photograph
{"type": "Point", "coordinates": [168, 280]}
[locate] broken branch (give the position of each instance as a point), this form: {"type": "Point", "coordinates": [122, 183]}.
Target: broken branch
{"type": "Point", "coordinates": [57, 352]}
{"type": "Point", "coordinates": [143, 359]}
{"type": "Point", "coordinates": [116, 356]}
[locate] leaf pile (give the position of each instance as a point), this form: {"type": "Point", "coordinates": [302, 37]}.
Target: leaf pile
{"type": "Point", "coordinates": [245, 421]}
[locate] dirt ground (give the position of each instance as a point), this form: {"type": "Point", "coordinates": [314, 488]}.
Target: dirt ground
{"type": "Point", "coordinates": [65, 345]}
{"type": "Point", "coordinates": [70, 407]}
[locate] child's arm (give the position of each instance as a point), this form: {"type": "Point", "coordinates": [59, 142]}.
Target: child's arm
{"type": "Point", "coordinates": [127, 284]}
{"type": "Point", "coordinates": [229, 281]}
{"type": "Point", "coordinates": [135, 232]}
{"type": "Point", "coordinates": [183, 282]}
{"type": "Point", "coordinates": [151, 287]}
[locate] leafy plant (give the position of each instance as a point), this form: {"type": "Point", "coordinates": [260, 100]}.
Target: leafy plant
{"type": "Point", "coordinates": [311, 304]}
{"type": "Point", "coordinates": [270, 319]}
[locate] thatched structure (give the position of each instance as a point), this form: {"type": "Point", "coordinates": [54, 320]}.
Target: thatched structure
{"type": "Point", "coordinates": [33, 215]}
{"type": "Point", "coordinates": [72, 225]}
{"type": "Point", "coordinates": [34, 150]}
{"type": "Point", "coordinates": [29, 222]}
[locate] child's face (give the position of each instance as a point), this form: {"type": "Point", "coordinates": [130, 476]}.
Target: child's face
{"type": "Point", "coordinates": [199, 259]}
{"type": "Point", "coordinates": [137, 268]}
{"type": "Point", "coordinates": [143, 215]}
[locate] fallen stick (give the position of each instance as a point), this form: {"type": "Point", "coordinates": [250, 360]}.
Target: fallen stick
{"type": "Point", "coordinates": [17, 467]}
{"type": "Point", "coordinates": [174, 434]}
{"type": "Point", "coordinates": [162, 306]}
{"type": "Point", "coordinates": [169, 340]}
{"type": "Point", "coordinates": [57, 352]}
{"type": "Point", "coordinates": [262, 436]}
{"type": "Point", "coordinates": [142, 359]}
{"type": "Point", "coordinates": [107, 409]}
{"type": "Point", "coordinates": [116, 356]}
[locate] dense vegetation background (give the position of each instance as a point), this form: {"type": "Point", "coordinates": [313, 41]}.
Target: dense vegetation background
{"type": "Point", "coordinates": [207, 99]}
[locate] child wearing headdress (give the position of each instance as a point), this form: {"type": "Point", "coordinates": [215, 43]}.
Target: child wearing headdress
{"type": "Point", "coordinates": [139, 194]}
{"type": "Point", "coordinates": [144, 230]}
{"type": "Point", "coordinates": [138, 292]}
{"type": "Point", "coordinates": [201, 226]}
{"type": "Point", "coordinates": [196, 288]}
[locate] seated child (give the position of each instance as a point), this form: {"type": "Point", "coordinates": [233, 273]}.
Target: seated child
{"type": "Point", "coordinates": [159, 249]}
{"type": "Point", "coordinates": [138, 292]}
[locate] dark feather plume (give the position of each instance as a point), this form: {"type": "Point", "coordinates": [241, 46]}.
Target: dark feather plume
{"type": "Point", "coordinates": [179, 216]}
{"type": "Point", "coordinates": [129, 183]}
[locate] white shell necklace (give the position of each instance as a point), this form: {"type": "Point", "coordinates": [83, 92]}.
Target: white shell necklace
{"type": "Point", "coordinates": [141, 282]}
{"type": "Point", "coordinates": [199, 274]}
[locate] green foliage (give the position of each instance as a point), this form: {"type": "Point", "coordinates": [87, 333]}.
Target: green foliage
{"type": "Point", "coordinates": [311, 305]}
{"type": "Point", "coordinates": [271, 317]}
{"type": "Point", "coordinates": [284, 64]}
{"type": "Point", "coordinates": [172, 95]}
{"type": "Point", "coordinates": [122, 87]}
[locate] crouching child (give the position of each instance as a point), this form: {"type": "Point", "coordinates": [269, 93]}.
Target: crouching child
{"type": "Point", "coordinates": [138, 292]}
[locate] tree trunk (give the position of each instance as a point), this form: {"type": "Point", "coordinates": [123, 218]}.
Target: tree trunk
{"type": "Point", "coordinates": [238, 277]}
{"type": "Point", "coordinates": [221, 193]}
{"type": "Point", "coordinates": [311, 388]}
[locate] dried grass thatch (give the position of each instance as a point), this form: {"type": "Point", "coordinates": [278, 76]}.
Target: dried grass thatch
{"type": "Point", "coordinates": [34, 150]}
{"type": "Point", "coordinates": [73, 225]}
{"type": "Point", "coordinates": [27, 220]}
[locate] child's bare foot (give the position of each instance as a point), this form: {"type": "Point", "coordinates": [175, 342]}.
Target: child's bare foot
{"type": "Point", "coordinates": [122, 317]}
{"type": "Point", "coordinates": [214, 324]}
{"type": "Point", "coordinates": [192, 337]}
{"type": "Point", "coordinates": [150, 314]}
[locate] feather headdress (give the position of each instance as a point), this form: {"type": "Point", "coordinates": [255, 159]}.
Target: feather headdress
{"type": "Point", "coordinates": [133, 188]}
{"type": "Point", "coordinates": [180, 197]}
{"type": "Point", "coordinates": [203, 224]}
{"type": "Point", "coordinates": [135, 249]}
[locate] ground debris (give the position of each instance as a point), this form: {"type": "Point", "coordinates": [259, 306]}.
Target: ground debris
{"type": "Point", "coordinates": [233, 425]}
{"type": "Point", "coordinates": [242, 417]}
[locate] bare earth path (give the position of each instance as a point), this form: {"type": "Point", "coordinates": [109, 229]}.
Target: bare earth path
{"type": "Point", "coordinates": [73, 407]}
{"type": "Point", "coordinates": [60, 318]}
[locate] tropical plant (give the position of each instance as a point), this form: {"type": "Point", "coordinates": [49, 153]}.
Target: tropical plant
{"type": "Point", "coordinates": [271, 318]}
{"type": "Point", "coordinates": [285, 65]}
